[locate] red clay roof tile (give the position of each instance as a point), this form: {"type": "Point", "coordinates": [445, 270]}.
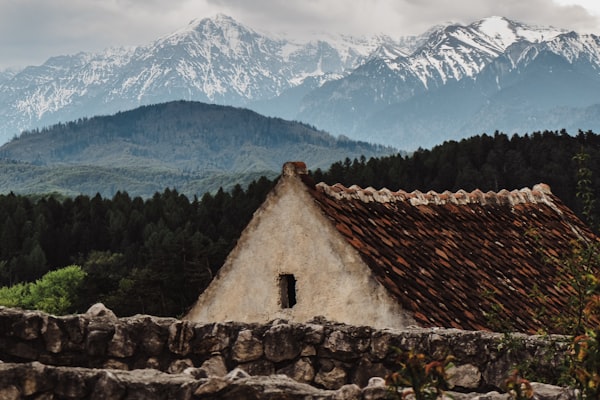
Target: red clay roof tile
{"type": "Point", "coordinates": [449, 257]}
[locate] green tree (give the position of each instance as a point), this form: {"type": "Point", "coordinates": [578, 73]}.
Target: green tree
{"type": "Point", "coordinates": [55, 292]}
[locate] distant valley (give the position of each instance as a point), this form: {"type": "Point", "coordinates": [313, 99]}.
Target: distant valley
{"type": "Point", "coordinates": [451, 82]}
{"type": "Point", "coordinates": [191, 146]}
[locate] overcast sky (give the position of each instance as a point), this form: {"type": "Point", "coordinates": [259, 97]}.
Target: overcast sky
{"type": "Point", "coordinates": [33, 30]}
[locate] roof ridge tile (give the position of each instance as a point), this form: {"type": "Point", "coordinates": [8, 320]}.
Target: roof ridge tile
{"type": "Point", "coordinates": [540, 193]}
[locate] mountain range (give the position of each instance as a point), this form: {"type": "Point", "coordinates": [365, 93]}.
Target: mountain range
{"type": "Point", "coordinates": [451, 82]}
{"type": "Point", "coordinates": [191, 146]}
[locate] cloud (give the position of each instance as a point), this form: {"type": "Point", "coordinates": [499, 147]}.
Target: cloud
{"type": "Point", "coordinates": [33, 30]}
{"type": "Point", "coordinates": [402, 17]}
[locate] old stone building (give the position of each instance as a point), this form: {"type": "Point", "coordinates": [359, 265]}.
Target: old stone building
{"type": "Point", "coordinates": [395, 259]}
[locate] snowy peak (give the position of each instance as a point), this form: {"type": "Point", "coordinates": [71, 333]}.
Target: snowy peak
{"type": "Point", "coordinates": [453, 52]}
{"type": "Point", "coordinates": [505, 32]}
{"type": "Point", "coordinates": [322, 79]}
{"type": "Point", "coordinates": [387, 53]}
{"type": "Point", "coordinates": [575, 47]}
{"type": "Point", "coordinates": [221, 32]}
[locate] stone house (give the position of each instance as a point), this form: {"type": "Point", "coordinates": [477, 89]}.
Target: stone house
{"type": "Point", "coordinates": [395, 259]}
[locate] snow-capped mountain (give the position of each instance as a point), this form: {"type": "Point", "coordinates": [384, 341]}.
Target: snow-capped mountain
{"type": "Point", "coordinates": [414, 91]}
{"type": "Point", "coordinates": [213, 60]}
{"type": "Point", "coordinates": [530, 87]}
{"type": "Point", "coordinates": [450, 54]}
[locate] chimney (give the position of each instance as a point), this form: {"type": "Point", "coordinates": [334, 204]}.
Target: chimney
{"type": "Point", "coordinates": [294, 168]}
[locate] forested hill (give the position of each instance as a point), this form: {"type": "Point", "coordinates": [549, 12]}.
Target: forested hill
{"type": "Point", "coordinates": [178, 144]}
{"type": "Point", "coordinates": [156, 255]}
{"type": "Point", "coordinates": [485, 162]}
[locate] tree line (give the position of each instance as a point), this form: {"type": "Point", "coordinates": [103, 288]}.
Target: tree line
{"type": "Point", "coordinates": [485, 162]}
{"type": "Point", "coordinates": [139, 256]}
{"type": "Point", "coordinates": [156, 255]}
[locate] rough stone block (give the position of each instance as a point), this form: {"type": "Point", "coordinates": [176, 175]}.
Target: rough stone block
{"type": "Point", "coordinates": [300, 371]}
{"type": "Point", "coordinates": [181, 334]}
{"type": "Point", "coordinates": [281, 343]}
{"type": "Point", "coordinates": [246, 347]}
{"type": "Point", "coordinates": [53, 335]}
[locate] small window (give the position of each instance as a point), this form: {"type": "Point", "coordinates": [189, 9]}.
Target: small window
{"type": "Point", "coordinates": [287, 290]}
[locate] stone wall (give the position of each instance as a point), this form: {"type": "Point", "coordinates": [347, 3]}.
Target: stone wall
{"type": "Point", "coordinates": [318, 353]}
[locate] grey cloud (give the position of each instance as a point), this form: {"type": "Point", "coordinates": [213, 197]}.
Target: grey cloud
{"type": "Point", "coordinates": [33, 30]}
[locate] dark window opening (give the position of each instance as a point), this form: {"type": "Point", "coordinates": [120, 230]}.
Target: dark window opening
{"type": "Point", "coordinates": [287, 289]}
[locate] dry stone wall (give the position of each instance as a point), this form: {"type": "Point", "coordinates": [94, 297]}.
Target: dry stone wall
{"type": "Point", "coordinates": [332, 357]}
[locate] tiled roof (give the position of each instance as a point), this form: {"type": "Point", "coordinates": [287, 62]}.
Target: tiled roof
{"type": "Point", "coordinates": [449, 257]}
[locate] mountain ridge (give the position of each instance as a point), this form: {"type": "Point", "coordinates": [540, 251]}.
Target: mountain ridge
{"type": "Point", "coordinates": [335, 82]}
{"type": "Point", "coordinates": [178, 142]}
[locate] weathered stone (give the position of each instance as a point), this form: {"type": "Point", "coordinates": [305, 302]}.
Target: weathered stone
{"type": "Point", "coordinates": [300, 371]}
{"type": "Point", "coordinates": [153, 363]}
{"type": "Point", "coordinates": [376, 389]}
{"type": "Point", "coordinates": [52, 334]}
{"type": "Point", "coordinates": [121, 344]}
{"type": "Point", "coordinates": [281, 343]}
{"type": "Point", "coordinates": [215, 366]}
{"type": "Point", "coordinates": [108, 387]}
{"type": "Point", "coordinates": [71, 383]}
{"type": "Point", "coordinates": [314, 333]}
{"type": "Point", "coordinates": [278, 387]}
{"type": "Point", "coordinates": [115, 364]}
{"type": "Point", "coordinates": [99, 310]}
{"type": "Point", "coordinates": [492, 396]}
{"type": "Point", "coordinates": [465, 376]}
{"type": "Point", "coordinates": [344, 346]}
{"type": "Point", "coordinates": [308, 350]}
{"type": "Point", "coordinates": [348, 392]}
{"type": "Point", "coordinates": [236, 373]}
{"type": "Point", "coordinates": [365, 370]}
{"type": "Point", "coordinates": [10, 393]}
{"type": "Point", "coordinates": [258, 367]}
{"type": "Point", "coordinates": [468, 345]}
{"type": "Point", "coordinates": [211, 338]}
{"type": "Point", "coordinates": [70, 358]}
{"type": "Point", "coordinates": [154, 336]}
{"type": "Point", "coordinates": [496, 370]}
{"type": "Point", "coordinates": [327, 355]}
{"type": "Point", "coordinates": [437, 346]}
{"type": "Point", "coordinates": [23, 350]}
{"type": "Point", "coordinates": [8, 316]}
{"type": "Point", "coordinates": [44, 396]}
{"type": "Point", "coordinates": [34, 379]}
{"type": "Point", "coordinates": [29, 326]}
{"type": "Point", "coordinates": [543, 391]}
{"type": "Point", "coordinates": [212, 386]}
{"type": "Point", "coordinates": [181, 334]}
{"type": "Point", "coordinates": [246, 347]}
{"type": "Point", "coordinates": [75, 326]}
{"type": "Point", "coordinates": [380, 344]}
{"type": "Point", "coordinates": [97, 341]}
{"type": "Point", "coordinates": [334, 378]}
{"type": "Point", "coordinates": [178, 366]}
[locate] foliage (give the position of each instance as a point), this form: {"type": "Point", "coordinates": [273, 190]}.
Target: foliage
{"type": "Point", "coordinates": [585, 364]}
{"type": "Point", "coordinates": [16, 296]}
{"type": "Point", "coordinates": [425, 379]}
{"type": "Point", "coordinates": [140, 256]}
{"type": "Point", "coordinates": [55, 292]}
{"type": "Point", "coordinates": [157, 254]}
{"type": "Point", "coordinates": [191, 146]}
{"type": "Point", "coordinates": [485, 162]}
{"type": "Point", "coordinates": [585, 189]}
{"type": "Point", "coordinates": [518, 387]}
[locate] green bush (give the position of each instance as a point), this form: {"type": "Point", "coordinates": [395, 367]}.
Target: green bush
{"type": "Point", "coordinates": [54, 293]}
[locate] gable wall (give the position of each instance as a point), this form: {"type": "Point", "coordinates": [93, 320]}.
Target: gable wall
{"type": "Point", "coordinates": [289, 235]}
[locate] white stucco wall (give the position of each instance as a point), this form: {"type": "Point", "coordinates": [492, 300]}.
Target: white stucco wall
{"type": "Point", "coordinates": [289, 235]}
